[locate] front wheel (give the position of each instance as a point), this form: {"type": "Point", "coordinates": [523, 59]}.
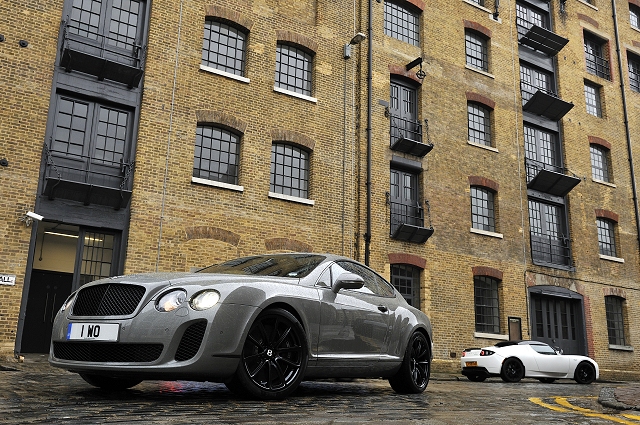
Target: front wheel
{"type": "Point", "coordinates": [512, 370]}
{"type": "Point", "coordinates": [108, 383]}
{"type": "Point", "coordinates": [274, 357]}
{"type": "Point", "coordinates": [413, 376]}
{"type": "Point", "coordinates": [585, 373]}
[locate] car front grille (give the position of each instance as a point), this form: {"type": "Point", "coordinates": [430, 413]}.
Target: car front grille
{"type": "Point", "coordinates": [107, 352]}
{"type": "Point", "coordinates": [191, 340]}
{"type": "Point", "coordinates": [110, 299]}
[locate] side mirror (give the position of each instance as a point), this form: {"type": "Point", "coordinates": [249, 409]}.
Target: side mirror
{"type": "Point", "coordinates": [347, 281]}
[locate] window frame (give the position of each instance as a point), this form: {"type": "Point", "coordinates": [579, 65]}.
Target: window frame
{"type": "Point", "coordinates": [483, 211]}
{"type": "Point", "coordinates": [405, 278]}
{"type": "Point", "coordinates": [295, 153]}
{"type": "Point", "coordinates": [614, 308]}
{"type": "Point", "coordinates": [607, 245]}
{"type": "Point", "coordinates": [240, 37]}
{"type": "Point", "coordinates": [479, 128]}
{"type": "Point", "coordinates": [633, 65]}
{"type": "Point", "coordinates": [486, 315]}
{"type": "Point", "coordinates": [395, 13]}
{"type": "Point", "coordinates": [594, 51]}
{"type": "Point", "coordinates": [301, 61]}
{"type": "Point", "coordinates": [549, 232]}
{"type": "Point", "coordinates": [634, 16]}
{"type": "Point", "coordinates": [600, 163]}
{"type": "Point", "coordinates": [234, 140]}
{"type": "Point", "coordinates": [595, 107]}
{"type": "Point", "coordinates": [476, 50]}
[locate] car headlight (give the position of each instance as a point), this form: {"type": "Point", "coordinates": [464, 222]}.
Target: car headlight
{"type": "Point", "coordinates": [486, 352]}
{"type": "Point", "coordinates": [204, 300]}
{"type": "Point", "coordinates": [171, 300]}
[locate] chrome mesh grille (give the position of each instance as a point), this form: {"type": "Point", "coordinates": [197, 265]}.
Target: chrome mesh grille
{"type": "Point", "coordinates": [111, 299]}
{"type": "Point", "coordinates": [190, 342]}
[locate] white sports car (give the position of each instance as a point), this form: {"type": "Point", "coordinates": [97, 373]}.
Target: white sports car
{"type": "Point", "coordinates": [513, 361]}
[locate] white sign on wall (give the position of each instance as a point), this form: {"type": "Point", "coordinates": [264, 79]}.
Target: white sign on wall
{"type": "Point", "coordinates": [7, 279]}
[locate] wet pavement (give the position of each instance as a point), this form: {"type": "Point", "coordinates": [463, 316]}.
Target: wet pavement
{"type": "Point", "coordinates": [35, 393]}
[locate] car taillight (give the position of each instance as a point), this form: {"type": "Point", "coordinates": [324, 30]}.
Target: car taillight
{"type": "Point", "coordinates": [464, 353]}
{"type": "Point", "coordinates": [486, 352]}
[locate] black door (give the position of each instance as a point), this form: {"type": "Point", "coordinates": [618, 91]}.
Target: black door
{"type": "Point", "coordinates": [403, 199]}
{"type": "Point", "coordinates": [558, 322]}
{"type": "Point", "coordinates": [47, 291]}
{"type": "Point", "coordinates": [403, 109]}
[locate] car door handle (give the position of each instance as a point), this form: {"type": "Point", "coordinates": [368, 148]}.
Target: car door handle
{"type": "Point", "coordinates": [383, 308]}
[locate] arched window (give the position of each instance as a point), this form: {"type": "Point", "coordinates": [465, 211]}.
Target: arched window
{"type": "Point", "coordinates": [406, 279]}
{"type": "Point", "coordinates": [487, 307]}
{"type": "Point", "coordinates": [224, 47]}
{"type": "Point", "coordinates": [216, 154]}
{"type": "Point", "coordinates": [289, 170]}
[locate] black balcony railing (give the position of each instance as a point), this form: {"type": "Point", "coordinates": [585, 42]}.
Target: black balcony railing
{"type": "Point", "coordinates": [87, 179]}
{"type": "Point", "coordinates": [550, 249]}
{"type": "Point", "coordinates": [528, 90]}
{"type": "Point", "coordinates": [407, 223]}
{"type": "Point", "coordinates": [597, 65]}
{"type": "Point", "coordinates": [547, 178]}
{"type": "Point", "coordinates": [100, 55]}
{"type": "Point", "coordinates": [406, 136]}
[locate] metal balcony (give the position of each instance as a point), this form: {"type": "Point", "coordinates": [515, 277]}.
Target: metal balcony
{"type": "Point", "coordinates": [543, 102]}
{"type": "Point", "coordinates": [551, 250]}
{"type": "Point", "coordinates": [407, 223]}
{"type": "Point", "coordinates": [101, 56]}
{"type": "Point", "coordinates": [88, 180]}
{"type": "Point", "coordinates": [538, 38]}
{"type": "Point", "coordinates": [549, 178]}
{"type": "Point", "coordinates": [406, 136]}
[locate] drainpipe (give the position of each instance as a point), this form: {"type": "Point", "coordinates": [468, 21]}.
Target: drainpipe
{"type": "Point", "coordinates": [367, 235]}
{"type": "Point", "coordinates": [626, 121]}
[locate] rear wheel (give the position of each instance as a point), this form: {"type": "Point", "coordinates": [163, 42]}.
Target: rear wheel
{"type": "Point", "coordinates": [585, 373]}
{"type": "Point", "coordinates": [274, 357]}
{"type": "Point", "coordinates": [108, 383]}
{"type": "Point", "coordinates": [413, 376]}
{"type": "Point", "coordinates": [476, 378]}
{"type": "Point", "coordinates": [547, 380]}
{"type": "Point", "coordinates": [512, 370]}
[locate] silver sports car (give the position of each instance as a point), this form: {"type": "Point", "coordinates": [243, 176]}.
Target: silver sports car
{"type": "Point", "coordinates": [259, 324]}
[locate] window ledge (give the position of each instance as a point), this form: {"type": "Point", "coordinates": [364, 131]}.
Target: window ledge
{"type": "Point", "coordinates": [479, 71]}
{"type": "Point", "coordinates": [620, 347]}
{"type": "Point", "coordinates": [603, 182]}
{"type": "Point", "coordinates": [294, 94]}
{"type": "Point", "coordinates": [588, 4]}
{"type": "Point", "coordinates": [291, 198]}
{"type": "Point", "coordinates": [214, 183]}
{"type": "Point", "coordinates": [224, 74]}
{"type": "Point", "coordinates": [486, 233]}
{"type": "Point", "coordinates": [476, 5]}
{"type": "Point", "coordinates": [490, 336]}
{"type": "Point", "coordinates": [609, 258]}
{"type": "Point", "coordinates": [478, 145]}
{"type": "Point", "coordinates": [635, 28]}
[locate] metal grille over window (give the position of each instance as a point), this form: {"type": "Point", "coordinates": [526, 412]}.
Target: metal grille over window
{"type": "Point", "coordinates": [401, 23]}
{"type": "Point", "coordinates": [216, 154]}
{"type": "Point", "coordinates": [293, 69]}
{"type": "Point", "coordinates": [594, 56]}
{"type": "Point", "coordinates": [406, 279]}
{"type": "Point", "coordinates": [476, 51]}
{"type": "Point", "coordinates": [486, 304]}
{"type": "Point", "coordinates": [606, 237]}
{"type": "Point", "coordinates": [549, 240]}
{"type": "Point", "coordinates": [224, 47]}
{"type": "Point", "coordinates": [615, 320]}
{"type": "Point", "coordinates": [482, 209]}
{"type": "Point", "coordinates": [634, 72]}
{"type": "Point", "coordinates": [289, 170]}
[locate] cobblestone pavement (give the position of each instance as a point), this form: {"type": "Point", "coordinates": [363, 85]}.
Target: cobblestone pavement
{"type": "Point", "coordinates": [35, 393]}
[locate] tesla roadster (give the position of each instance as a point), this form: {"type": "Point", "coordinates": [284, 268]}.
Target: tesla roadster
{"type": "Point", "coordinates": [259, 324]}
{"type": "Point", "coordinates": [513, 361]}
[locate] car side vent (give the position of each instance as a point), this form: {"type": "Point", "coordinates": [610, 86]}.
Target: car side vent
{"type": "Point", "coordinates": [191, 341]}
{"type": "Point", "coordinates": [108, 300]}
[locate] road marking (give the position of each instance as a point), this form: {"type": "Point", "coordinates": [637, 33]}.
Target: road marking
{"type": "Point", "coordinates": [564, 406]}
{"type": "Point", "coordinates": [634, 417]}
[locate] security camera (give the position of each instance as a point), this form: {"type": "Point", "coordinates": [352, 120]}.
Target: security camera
{"type": "Point", "coordinates": [34, 216]}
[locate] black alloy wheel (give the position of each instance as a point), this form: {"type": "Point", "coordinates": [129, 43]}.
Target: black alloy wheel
{"type": "Point", "coordinates": [108, 383]}
{"type": "Point", "coordinates": [512, 370]}
{"type": "Point", "coordinates": [585, 373]}
{"type": "Point", "coordinates": [274, 357]}
{"type": "Point", "coordinates": [413, 376]}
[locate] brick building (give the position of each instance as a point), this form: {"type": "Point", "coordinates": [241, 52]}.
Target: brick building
{"type": "Point", "coordinates": [477, 155]}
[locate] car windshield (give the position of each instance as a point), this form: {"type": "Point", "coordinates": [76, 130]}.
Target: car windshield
{"type": "Point", "coordinates": [284, 265]}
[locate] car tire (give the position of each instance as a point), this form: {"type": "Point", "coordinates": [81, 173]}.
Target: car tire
{"type": "Point", "coordinates": [109, 383]}
{"type": "Point", "coordinates": [585, 373]}
{"type": "Point", "coordinates": [476, 378]}
{"type": "Point", "coordinates": [273, 358]}
{"type": "Point", "coordinates": [547, 380]}
{"type": "Point", "coordinates": [413, 375]}
{"type": "Point", "coordinates": [512, 370]}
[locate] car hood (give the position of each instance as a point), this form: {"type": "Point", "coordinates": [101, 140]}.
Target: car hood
{"type": "Point", "coordinates": [186, 278]}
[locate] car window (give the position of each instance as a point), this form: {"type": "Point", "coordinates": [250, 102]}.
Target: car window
{"type": "Point", "coordinates": [325, 279]}
{"type": "Point", "coordinates": [544, 349]}
{"type": "Point", "coordinates": [373, 283]}
{"type": "Point", "coordinates": [285, 265]}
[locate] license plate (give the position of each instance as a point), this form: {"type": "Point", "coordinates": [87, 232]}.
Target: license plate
{"type": "Point", "coordinates": [471, 364]}
{"type": "Point", "coordinates": [93, 331]}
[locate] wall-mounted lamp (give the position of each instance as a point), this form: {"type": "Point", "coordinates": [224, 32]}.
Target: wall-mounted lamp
{"type": "Point", "coordinates": [29, 217]}
{"type": "Point", "coordinates": [417, 61]}
{"type": "Point", "coordinates": [497, 12]}
{"type": "Point", "coordinates": [357, 39]}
